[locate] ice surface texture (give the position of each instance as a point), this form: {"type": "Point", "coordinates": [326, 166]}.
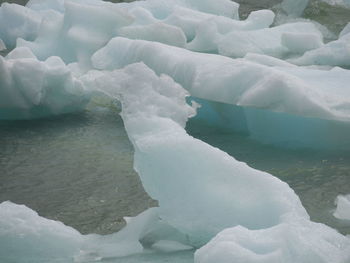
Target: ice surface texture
{"type": "Point", "coordinates": [32, 88]}
{"type": "Point", "coordinates": [280, 88]}
{"type": "Point", "coordinates": [68, 51]}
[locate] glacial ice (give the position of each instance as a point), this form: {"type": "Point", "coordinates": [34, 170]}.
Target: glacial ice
{"type": "Point", "coordinates": [343, 207]}
{"type": "Point", "coordinates": [27, 237]}
{"type": "Point", "coordinates": [222, 79]}
{"type": "Point", "coordinates": [271, 41]}
{"type": "Point", "coordinates": [141, 54]}
{"type": "Point", "coordinates": [313, 243]}
{"type": "Point", "coordinates": [32, 88]}
{"type": "Point", "coordinates": [20, 22]}
{"type": "Point", "coordinates": [224, 192]}
{"type": "Point", "coordinates": [335, 53]}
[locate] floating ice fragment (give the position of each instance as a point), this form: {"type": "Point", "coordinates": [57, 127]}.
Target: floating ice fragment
{"type": "Point", "coordinates": [294, 8]}
{"type": "Point", "coordinates": [343, 207]}
{"type": "Point", "coordinates": [32, 88]}
{"type": "Point", "coordinates": [2, 45]}
{"type": "Point", "coordinates": [345, 31]}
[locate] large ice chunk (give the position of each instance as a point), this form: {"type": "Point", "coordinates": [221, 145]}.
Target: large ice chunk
{"type": "Point", "coordinates": [225, 80]}
{"type": "Point", "coordinates": [343, 207]}
{"type": "Point", "coordinates": [205, 189]}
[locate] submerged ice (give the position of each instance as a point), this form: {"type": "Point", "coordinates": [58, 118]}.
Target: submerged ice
{"type": "Point", "coordinates": [150, 56]}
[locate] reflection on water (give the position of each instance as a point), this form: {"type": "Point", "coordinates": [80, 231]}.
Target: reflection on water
{"type": "Point", "coordinates": [74, 168]}
{"type": "Point", "coordinates": [317, 177]}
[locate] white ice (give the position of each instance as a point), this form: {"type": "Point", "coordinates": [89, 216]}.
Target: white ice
{"type": "Point", "coordinates": [68, 51]}
{"type": "Point", "coordinates": [31, 88]}
{"type": "Point", "coordinates": [222, 79]}
{"type": "Point", "coordinates": [343, 207]}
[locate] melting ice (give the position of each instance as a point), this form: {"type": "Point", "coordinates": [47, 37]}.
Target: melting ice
{"type": "Point", "coordinates": [150, 56]}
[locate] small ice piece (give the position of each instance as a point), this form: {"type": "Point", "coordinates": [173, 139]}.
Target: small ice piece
{"type": "Point", "coordinates": [294, 8]}
{"type": "Point", "coordinates": [2, 45]}
{"type": "Point", "coordinates": [25, 236]}
{"type": "Point", "coordinates": [343, 207]}
{"type": "Point", "coordinates": [345, 31]}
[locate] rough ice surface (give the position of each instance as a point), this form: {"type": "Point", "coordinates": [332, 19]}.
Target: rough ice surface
{"type": "Point", "coordinates": [222, 79]}
{"type": "Point", "coordinates": [343, 207]}
{"type": "Point", "coordinates": [271, 41]}
{"type": "Point", "coordinates": [65, 52]}
{"type": "Point", "coordinates": [32, 88]}
{"type": "Point", "coordinates": [335, 53]}
{"type": "Point", "coordinates": [20, 22]}
{"type": "Point", "coordinates": [272, 245]}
